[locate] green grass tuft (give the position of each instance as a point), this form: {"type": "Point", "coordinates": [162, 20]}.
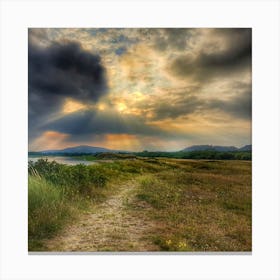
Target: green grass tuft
{"type": "Point", "coordinates": [48, 209]}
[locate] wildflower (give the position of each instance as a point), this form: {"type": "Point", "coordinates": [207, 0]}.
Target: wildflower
{"type": "Point", "coordinates": [168, 242]}
{"type": "Point", "coordinates": [182, 244]}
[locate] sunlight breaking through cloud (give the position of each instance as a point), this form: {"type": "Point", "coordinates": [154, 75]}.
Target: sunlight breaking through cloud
{"type": "Point", "coordinates": [138, 89]}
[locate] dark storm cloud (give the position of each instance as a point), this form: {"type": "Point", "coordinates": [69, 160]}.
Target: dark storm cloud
{"type": "Point", "coordinates": [81, 124]}
{"type": "Point", "coordinates": [237, 52]}
{"type": "Point", "coordinates": [66, 70]}
{"type": "Point", "coordinates": [60, 71]}
{"type": "Point", "coordinates": [239, 107]}
{"type": "Point", "coordinates": [236, 56]}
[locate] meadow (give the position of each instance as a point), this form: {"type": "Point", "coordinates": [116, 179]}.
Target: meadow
{"type": "Point", "coordinates": [186, 205]}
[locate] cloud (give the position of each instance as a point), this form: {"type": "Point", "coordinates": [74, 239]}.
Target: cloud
{"type": "Point", "coordinates": [182, 105]}
{"type": "Point", "coordinates": [59, 71]}
{"type": "Point", "coordinates": [38, 36]}
{"type": "Point", "coordinates": [82, 124]}
{"type": "Point", "coordinates": [173, 38]}
{"type": "Point", "coordinates": [66, 70]}
{"type": "Point", "coordinates": [189, 101]}
{"type": "Point", "coordinates": [49, 140]}
{"type": "Point", "coordinates": [166, 39]}
{"type": "Point", "coordinates": [233, 54]}
{"type": "Point", "coordinates": [120, 51]}
{"type": "Point", "coordinates": [240, 106]}
{"type": "Point", "coordinates": [170, 84]}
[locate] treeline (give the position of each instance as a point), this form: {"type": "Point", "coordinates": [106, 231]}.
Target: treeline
{"type": "Point", "coordinates": [208, 154]}
{"type": "Point", "coordinates": [216, 155]}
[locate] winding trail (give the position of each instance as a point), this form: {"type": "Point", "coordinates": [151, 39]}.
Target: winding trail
{"type": "Point", "coordinates": [110, 226]}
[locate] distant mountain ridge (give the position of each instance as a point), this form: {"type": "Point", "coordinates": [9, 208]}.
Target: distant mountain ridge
{"type": "Point", "coordinates": [246, 148]}
{"type": "Point", "coordinates": [217, 148]}
{"type": "Point", "coordinates": [83, 149]}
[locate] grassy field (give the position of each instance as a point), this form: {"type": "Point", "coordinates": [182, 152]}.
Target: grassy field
{"type": "Point", "coordinates": [200, 205]}
{"type": "Point", "coordinates": [193, 205]}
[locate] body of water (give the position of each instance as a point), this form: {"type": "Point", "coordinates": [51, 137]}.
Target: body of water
{"type": "Point", "coordinates": [63, 160]}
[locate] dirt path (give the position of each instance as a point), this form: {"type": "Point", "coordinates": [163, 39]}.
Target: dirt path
{"type": "Point", "coordinates": [110, 226]}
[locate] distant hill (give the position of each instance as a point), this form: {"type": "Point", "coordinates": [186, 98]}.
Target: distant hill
{"type": "Point", "coordinates": [245, 148]}
{"type": "Point", "coordinates": [217, 148]}
{"type": "Point", "coordinates": [210, 148]}
{"type": "Point", "coordinates": [84, 149]}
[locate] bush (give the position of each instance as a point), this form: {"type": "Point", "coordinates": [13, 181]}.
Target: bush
{"type": "Point", "coordinates": [79, 177]}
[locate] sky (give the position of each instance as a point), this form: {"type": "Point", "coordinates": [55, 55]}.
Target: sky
{"type": "Point", "coordinates": [139, 89]}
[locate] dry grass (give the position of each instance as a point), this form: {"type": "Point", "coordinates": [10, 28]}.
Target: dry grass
{"type": "Point", "coordinates": [182, 205]}
{"type": "Point", "coordinates": [199, 205]}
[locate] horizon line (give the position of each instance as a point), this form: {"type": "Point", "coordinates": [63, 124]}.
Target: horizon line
{"type": "Point", "coordinates": [59, 149]}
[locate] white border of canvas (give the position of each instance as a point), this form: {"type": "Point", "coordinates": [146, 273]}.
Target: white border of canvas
{"type": "Point", "coordinates": [262, 16]}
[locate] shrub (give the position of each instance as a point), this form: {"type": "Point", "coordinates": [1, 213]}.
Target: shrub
{"type": "Point", "coordinates": [80, 177]}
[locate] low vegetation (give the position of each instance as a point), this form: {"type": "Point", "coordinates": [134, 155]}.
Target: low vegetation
{"type": "Point", "coordinates": [49, 207]}
{"type": "Point", "coordinates": [207, 154]}
{"type": "Point", "coordinates": [195, 205]}
{"type": "Point", "coordinates": [200, 206]}
{"type": "Point", "coordinates": [105, 156]}
{"type": "Point", "coordinates": [57, 193]}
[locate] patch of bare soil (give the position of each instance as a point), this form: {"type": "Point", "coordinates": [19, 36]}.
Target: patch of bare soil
{"type": "Point", "coordinates": [110, 226]}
